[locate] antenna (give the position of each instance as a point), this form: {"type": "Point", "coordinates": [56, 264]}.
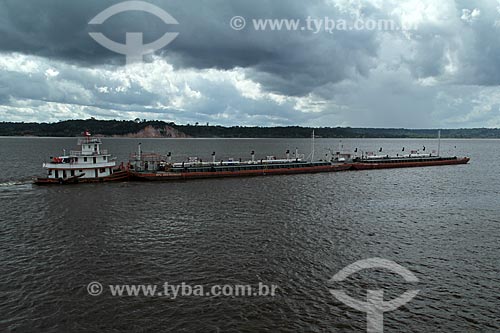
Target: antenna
{"type": "Point", "coordinates": [312, 150]}
{"type": "Point", "coordinates": [439, 143]}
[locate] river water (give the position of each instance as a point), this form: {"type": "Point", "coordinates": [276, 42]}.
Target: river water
{"type": "Point", "coordinates": [295, 232]}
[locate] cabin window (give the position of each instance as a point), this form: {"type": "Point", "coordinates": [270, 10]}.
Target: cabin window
{"type": "Point", "coordinates": [57, 173]}
{"type": "Point", "coordinates": [80, 170]}
{"type": "Point", "coordinates": [94, 160]}
{"type": "Point", "coordinates": [76, 159]}
{"type": "Point", "coordinates": [104, 158]}
{"type": "Point", "coordinates": [102, 170]}
{"type": "Point", "coordinates": [50, 172]}
{"type": "Point", "coordinates": [72, 173]}
{"type": "Point", "coordinates": [85, 159]}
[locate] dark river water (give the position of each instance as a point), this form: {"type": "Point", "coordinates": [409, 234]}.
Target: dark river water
{"type": "Point", "coordinates": [295, 232]}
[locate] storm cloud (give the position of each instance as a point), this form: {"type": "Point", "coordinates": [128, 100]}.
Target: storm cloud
{"type": "Point", "coordinates": [443, 73]}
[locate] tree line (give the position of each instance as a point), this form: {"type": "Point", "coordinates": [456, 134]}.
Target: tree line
{"type": "Point", "coordinates": [72, 128]}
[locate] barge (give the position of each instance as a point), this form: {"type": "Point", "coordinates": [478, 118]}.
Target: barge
{"type": "Point", "coordinates": [152, 167]}
{"type": "Point", "coordinates": [157, 167]}
{"type": "Point", "coordinates": [406, 162]}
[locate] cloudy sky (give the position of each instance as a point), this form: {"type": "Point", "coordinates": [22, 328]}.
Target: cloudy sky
{"type": "Point", "coordinates": [443, 70]}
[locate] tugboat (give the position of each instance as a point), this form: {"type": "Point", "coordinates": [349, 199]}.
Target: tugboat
{"type": "Point", "coordinates": [89, 164]}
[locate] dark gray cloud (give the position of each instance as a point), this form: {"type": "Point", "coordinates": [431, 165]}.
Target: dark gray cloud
{"type": "Point", "coordinates": [296, 62]}
{"type": "Point", "coordinates": [366, 77]}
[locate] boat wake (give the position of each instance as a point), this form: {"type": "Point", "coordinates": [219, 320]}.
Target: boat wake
{"type": "Point", "coordinates": [12, 186]}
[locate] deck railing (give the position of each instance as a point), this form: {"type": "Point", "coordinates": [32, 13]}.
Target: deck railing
{"type": "Point", "coordinates": [89, 141]}
{"type": "Point", "coordinates": [79, 153]}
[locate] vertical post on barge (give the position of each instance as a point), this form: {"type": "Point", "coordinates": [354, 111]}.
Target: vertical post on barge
{"type": "Point", "coordinates": [312, 149]}
{"type": "Point", "coordinates": [439, 143]}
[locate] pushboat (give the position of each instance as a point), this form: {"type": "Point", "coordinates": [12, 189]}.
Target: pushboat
{"type": "Point", "coordinates": [89, 164]}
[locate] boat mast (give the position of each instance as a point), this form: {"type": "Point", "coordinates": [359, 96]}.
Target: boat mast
{"type": "Point", "coordinates": [439, 142]}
